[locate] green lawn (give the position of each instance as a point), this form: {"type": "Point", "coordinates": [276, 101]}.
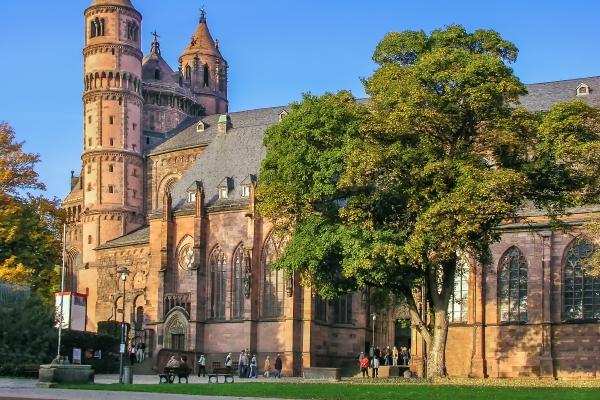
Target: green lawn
{"type": "Point", "coordinates": [358, 391]}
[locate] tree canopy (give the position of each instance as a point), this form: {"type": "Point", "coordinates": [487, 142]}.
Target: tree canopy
{"type": "Point", "coordinates": [30, 225]}
{"type": "Point", "coordinates": [393, 192]}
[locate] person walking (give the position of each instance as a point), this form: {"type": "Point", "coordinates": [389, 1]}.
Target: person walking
{"type": "Point", "coordinates": [375, 366]}
{"type": "Point", "coordinates": [253, 367]}
{"type": "Point", "coordinates": [364, 366]}
{"type": "Point", "coordinates": [267, 367]}
{"type": "Point", "coordinates": [132, 355]}
{"type": "Point", "coordinates": [241, 362]}
{"type": "Point", "coordinates": [228, 361]}
{"type": "Point", "coordinates": [247, 364]}
{"type": "Point", "coordinates": [278, 366]}
{"type": "Point", "coordinates": [202, 366]}
{"type": "Point", "coordinates": [141, 346]}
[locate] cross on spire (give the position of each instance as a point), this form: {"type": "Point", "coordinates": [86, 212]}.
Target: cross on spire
{"type": "Point", "coordinates": [155, 45]}
{"type": "Point", "coordinates": [202, 14]}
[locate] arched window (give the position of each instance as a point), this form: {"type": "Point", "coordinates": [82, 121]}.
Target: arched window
{"type": "Point", "coordinates": [239, 265]}
{"type": "Point", "coordinates": [320, 308]}
{"type": "Point", "coordinates": [582, 290]}
{"type": "Point", "coordinates": [458, 306]}
{"type": "Point", "coordinates": [273, 280]}
{"type": "Point", "coordinates": [343, 309]}
{"type": "Point", "coordinates": [512, 286]}
{"type": "Point", "coordinates": [89, 239]}
{"type": "Point", "coordinates": [157, 74]}
{"type": "Point", "coordinates": [111, 168]}
{"type": "Point", "coordinates": [205, 75]}
{"type": "Point", "coordinates": [188, 72]}
{"type": "Point", "coordinates": [218, 281]}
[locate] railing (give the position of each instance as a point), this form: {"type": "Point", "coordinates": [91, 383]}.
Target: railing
{"type": "Point", "coordinates": [181, 300]}
{"type": "Point", "coordinates": [11, 294]}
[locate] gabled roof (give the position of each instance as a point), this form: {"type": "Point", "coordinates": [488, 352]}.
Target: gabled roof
{"type": "Point", "coordinates": [186, 135]}
{"type": "Point", "coordinates": [234, 155]}
{"type": "Point", "coordinates": [542, 96]}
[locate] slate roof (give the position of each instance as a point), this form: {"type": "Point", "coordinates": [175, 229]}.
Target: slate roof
{"type": "Point", "coordinates": [186, 135]}
{"type": "Point", "coordinates": [139, 236]}
{"type": "Point", "coordinates": [543, 95]}
{"type": "Point", "coordinates": [234, 155]}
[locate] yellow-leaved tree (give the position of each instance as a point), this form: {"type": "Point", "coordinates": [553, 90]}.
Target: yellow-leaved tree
{"type": "Point", "coordinates": [30, 225]}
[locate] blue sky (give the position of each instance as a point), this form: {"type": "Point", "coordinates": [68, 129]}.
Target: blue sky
{"type": "Point", "coordinates": [276, 51]}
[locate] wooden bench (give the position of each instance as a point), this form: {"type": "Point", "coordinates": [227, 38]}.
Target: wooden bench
{"type": "Point", "coordinates": [169, 374]}
{"type": "Point", "coordinates": [32, 370]}
{"type": "Point", "coordinates": [224, 372]}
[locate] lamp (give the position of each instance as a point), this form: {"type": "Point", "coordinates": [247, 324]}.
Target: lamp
{"type": "Point", "coordinates": [374, 316]}
{"type": "Point", "coordinates": [123, 272]}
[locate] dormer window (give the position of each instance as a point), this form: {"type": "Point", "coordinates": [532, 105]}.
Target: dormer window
{"type": "Point", "coordinates": [191, 197]}
{"type": "Point", "coordinates": [191, 192]}
{"type": "Point", "coordinates": [583, 90]}
{"type": "Point", "coordinates": [200, 127]}
{"type": "Point", "coordinates": [246, 185]}
{"type": "Point", "coordinates": [224, 187]}
{"type": "Point", "coordinates": [246, 191]}
{"type": "Point", "coordinates": [282, 115]}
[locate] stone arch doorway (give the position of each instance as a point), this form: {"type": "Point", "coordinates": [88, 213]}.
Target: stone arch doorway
{"type": "Point", "coordinates": [175, 337]}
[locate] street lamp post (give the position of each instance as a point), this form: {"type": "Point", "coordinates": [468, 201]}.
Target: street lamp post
{"type": "Point", "coordinates": [123, 272]}
{"type": "Point", "coordinates": [374, 355]}
{"type": "Point", "coordinates": [374, 315]}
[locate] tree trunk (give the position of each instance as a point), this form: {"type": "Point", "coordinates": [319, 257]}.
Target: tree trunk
{"type": "Point", "coordinates": [436, 352]}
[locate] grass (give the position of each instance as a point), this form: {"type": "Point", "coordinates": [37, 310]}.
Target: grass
{"type": "Point", "coordinates": [353, 390]}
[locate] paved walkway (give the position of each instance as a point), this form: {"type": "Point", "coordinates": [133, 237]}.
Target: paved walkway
{"type": "Point", "coordinates": [11, 389]}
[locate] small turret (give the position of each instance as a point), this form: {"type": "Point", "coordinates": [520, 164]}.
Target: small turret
{"type": "Point", "coordinates": [204, 69]}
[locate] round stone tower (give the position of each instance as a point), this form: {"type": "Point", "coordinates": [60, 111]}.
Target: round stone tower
{"type": "Point", "coordinates": [204, 70]}
{"type": "Point", "coordinates": [112, 150]}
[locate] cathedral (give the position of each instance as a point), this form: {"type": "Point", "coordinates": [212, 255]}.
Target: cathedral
{"type": "Point", "coordinates": [166, 190]}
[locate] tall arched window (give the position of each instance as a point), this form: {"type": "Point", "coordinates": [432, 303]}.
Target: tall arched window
{"type": "Point", "coordinates": [218, 281]}
{"type": "Point", "coordinates": [512, 286]}
{"type": "Point", "coordinates": [239, 265]}
{"type": "Point", "coordinates": [206, 75]}
{"type": "Point", "coordinates": [343, 309]}
{"type": "Point", "coordinates": [582, 290]}
{"type": "Point", "coordinates": [273, 280]}
{"type": "Point", "coordinates": [320, 308]}
{"type": "Point", "coordinates": [458, 306]}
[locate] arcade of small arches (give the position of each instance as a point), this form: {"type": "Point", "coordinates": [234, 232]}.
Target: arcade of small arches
{"type": "Point", "coordinates": [113, 49]}
{"type": "Point", "coordinates": [73, 213]}
{"type": "Point", "coordinates": [113, 80]}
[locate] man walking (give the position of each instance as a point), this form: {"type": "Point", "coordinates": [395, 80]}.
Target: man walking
{"type": "Point", "coordinates": [241, 363]}
{"type": "Point", "coordinates": [278, 366]}
{"type": "Point", "coordinates": [202, 366]}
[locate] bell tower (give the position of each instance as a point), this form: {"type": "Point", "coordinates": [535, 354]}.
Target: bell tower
{"type": "Point", "coordinates": [204, 70]}
{"type": "Point", "coordinates": [112, 98]}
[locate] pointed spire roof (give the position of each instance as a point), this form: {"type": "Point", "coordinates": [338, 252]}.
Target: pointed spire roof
{"type": "Point", "coordinates": [125, 3]}
{"type": "Point", "coordinates": [153, 62]}
{"type": "Point", "coordinates": [202, 41]}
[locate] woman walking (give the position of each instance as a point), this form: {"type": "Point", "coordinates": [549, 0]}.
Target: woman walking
{"type": "Point", "coordinates": [267, 367]}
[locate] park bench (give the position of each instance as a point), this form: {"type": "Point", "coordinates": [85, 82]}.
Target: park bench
{"type": "Point", "coordinates": [32, 370]}
{"type": "Point", "coordinates": [170, 373]}
{"type": "Point", "coordinates": [224, 372]}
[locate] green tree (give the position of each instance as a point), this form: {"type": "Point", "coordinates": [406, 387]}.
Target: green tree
{"type": "Point", "coordinates": [395, 193]}
{"type": "Point", "coordinates": [30, 226]}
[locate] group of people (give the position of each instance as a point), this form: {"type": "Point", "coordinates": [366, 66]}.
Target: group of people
{"type": "Point", "coordinates": [137, 353]}
{"type": "Point", "coordinates": [174, 363]}
{"type": "Point", "coordinates": [379, 357]}
{"type": "Point", "coordinates": [248, 365]}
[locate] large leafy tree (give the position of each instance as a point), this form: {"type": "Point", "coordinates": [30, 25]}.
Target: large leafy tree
{"type": "Point", "coordinates": [30, 226]}
{"type": "Point", "coordinates": [395, 194]}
